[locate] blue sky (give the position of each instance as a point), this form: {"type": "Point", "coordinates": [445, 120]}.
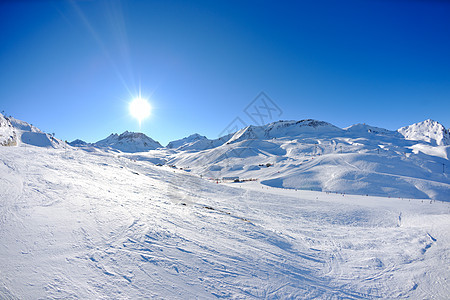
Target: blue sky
{"type": "Point", "coordinates": [72, 67]}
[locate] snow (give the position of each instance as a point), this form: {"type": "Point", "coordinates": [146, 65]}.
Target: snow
{"type": "Point", "coordinates": [335, 213]}
{"type": "Point", "coordinates": [196, 142]}
{"type": "Point", "coordinates": [23, 126]}
{"type": "Point", "coordinates": [128, 142]}
{"type": "Point", "coordinates": [7, 134]}
{"type": "Point", "coordinates": [364, 129]}
{"type": "Point", "coordinates": [439, 151]}
{"type": "Point", "coordinates": [20, 132]}
{"type": "Point", "coordinates": [429, 131]}
{"type": "Point", "coordinates": [95, 225]}
{"type": "Point", "coordinates": [315, 155]}
{"type": "Point", "coordinates": [78, 143]}
{"type": "Point", "coordinates": [283, 129]}
{"type": "Point", "coordinates": [306, 154]}
{"type": "Point", "coordinates": [193, 138]}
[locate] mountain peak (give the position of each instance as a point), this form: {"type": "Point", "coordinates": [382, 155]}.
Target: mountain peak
{"type": "Point", "coordinates": [364, 128]}
{"type": "Point", "coordinates": [15, 132]}
{"type": "Point", "coordinates": [78, 143]}
{"type": "Point", "coordinates": [186, 141]}
{"type": "Point", "coordinates": [129, 142]}
{"type": "Point", "coordinates": [7, 134]}
{"type": "Point", "coordinates": [283, 128]}
{"type": "Point", "coordinates": [429, 131]}
{"type": "Point", "coordinates": [132, 135]}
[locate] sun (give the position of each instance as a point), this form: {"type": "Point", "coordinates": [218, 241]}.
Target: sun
{"type": "Point", "coordinates": [140, 109]}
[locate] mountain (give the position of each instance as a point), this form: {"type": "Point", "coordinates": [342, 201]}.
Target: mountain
{"type": "Point", "coordinates": [316, 155]}
{"type": "Point", "coordinates": [193, 138]}
{"type": "Point", "coordinates": [196, 142]}
{"type": "Point", "coordinates": [283, 129]}
{"type": "Point", "coordinates": [78, 143]}
{"type": "Point", "coordinates": [8, 135]}
{"type": "Point", "coordinates": [23, 126]}
{"type": "Point", "coordinates": [14, 132]}
{"type": "Point", "coordinates": [305, 154]}
{"type": "Point", "coordinates": [364, 129]}
{"type": "Point", "coordinates": [129, 142]}
{"type": "Point", "coordinates": [429, 131]}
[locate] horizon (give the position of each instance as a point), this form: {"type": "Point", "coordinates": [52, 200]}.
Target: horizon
{"type": "Point", "coordinates": [208, 68]}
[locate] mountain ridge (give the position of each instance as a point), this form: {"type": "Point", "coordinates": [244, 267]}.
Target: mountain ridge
{"type": "Point", "coordinates": [14, 132]}
{"type": "Point", "coordinates": [305, 154]}
{"type": "Point", "coordinates": [429, 131]}
{"type": "Point", "coordinates": [129, 142]}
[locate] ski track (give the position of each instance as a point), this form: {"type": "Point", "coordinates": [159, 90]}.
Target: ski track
{"type": "Point", "coordinates": [98, 226]}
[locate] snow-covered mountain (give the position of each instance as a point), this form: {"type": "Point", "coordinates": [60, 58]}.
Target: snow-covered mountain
{"type": "Point", "coordinates": [8, 135]}
{"type": "Point", "coordinates": [78, 143]}
{"type": "Point", "coordinates": [129, 142]}
{"type": "Point", "coordinates": [15, 132]}
{"type": "Point", "coordinates": [310, 154]}
{"type": "Point", "coordinates": [305, 154]}
{"type": "Point", "coordinates": [193, 138]}
{"type": "Point", "coordinates": [429, 131]}
{"type": "Point", "coordinates": [364, 129]}
{"type": "Point", "coordinates": [23, 126]}
{"type": "Point", "coordinates": [283, 129]}
{"type": "Point", "coordinates": [197, 142]}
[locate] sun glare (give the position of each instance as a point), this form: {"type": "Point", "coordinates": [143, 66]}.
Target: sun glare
{"type": "Point", "coordinates": [140, 109]}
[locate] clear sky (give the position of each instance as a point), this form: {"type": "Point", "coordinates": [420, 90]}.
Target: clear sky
{"type": "Point", "coordinates": [72, 67]}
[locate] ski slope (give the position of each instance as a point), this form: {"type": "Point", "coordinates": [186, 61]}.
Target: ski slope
{"type": "Point", "coordinates": [309, 155]}
{"type": "Point", "coordinates": [316, 155]}
{"type": "Point", "coordinates": [98, 225]}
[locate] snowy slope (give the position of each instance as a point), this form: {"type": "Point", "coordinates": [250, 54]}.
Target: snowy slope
{"type": "Point", "coordinates": [429, 131]}
{"type": "Point", "coordinates": [78, 143]}
{"type": "Point", "coordinates": [273, 130]}
{"type": "Point", "coordinates": [309, 154]}
{"type": "Point", "coordinates": [92, 225]}
{"type": "Point", "coordinates": [197, 142]}
{"type": "Point", "coordinates": [193, 138]}
{"type": "Point", "coordinates": [129, 142]}
{"type": "Point", "coordinates": [364, 130]}
{"type": "Point", "coordinates": [24, 126]}
{"type": "Point", "coordinates": [15, 132]}
{"type": "Point", "coordinates": [8, 136]}
{"type": "Point", "coordinates": [283, 129]}
{"type": "Point", "coordinates": [306, 154]}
